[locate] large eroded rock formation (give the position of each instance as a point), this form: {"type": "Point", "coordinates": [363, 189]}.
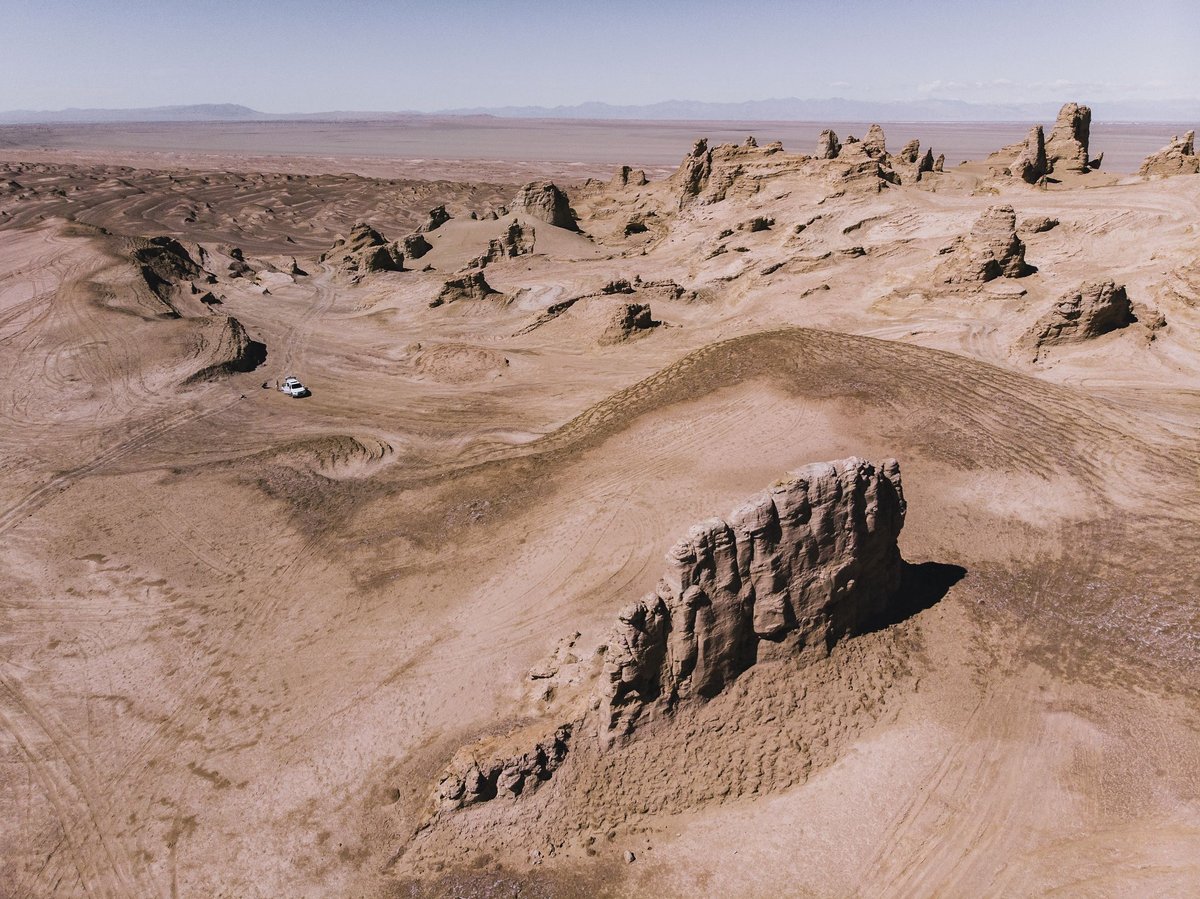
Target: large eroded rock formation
{"type": "Point", "coordinates": [545, 201]}
{"type": "Point", "coordinates": [810, 559]}
{"type": "Point", "coordinates": [991, 250]}
{"type": "Point", "coordinates": [1067, 146]}
{"type": "Point", "coordinates": [1092, 309]}
{"type": "Point", "coordinates": [365, 250]}
{"type": "Point", "coordinates": [1031, 164]}
{"type": "Point", "coordinates": [807, 560]}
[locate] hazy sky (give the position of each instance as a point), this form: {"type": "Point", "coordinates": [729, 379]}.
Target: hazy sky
{"type": "Point", "coordinates": [303, 56]}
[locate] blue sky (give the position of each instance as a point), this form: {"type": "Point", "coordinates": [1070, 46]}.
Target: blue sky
{"type": "Point", "coordinates": [304, 56]}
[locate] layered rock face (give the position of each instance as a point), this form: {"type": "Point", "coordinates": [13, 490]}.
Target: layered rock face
{"type": "Point", "coordinates": [628, 320]}
{"type": "Point", "coordinates": [472, 286]}
{"type": "Point", "coordinates": [1031, 164]}
{"type": "Point", "coordinates": [694, 172]}
{"type": "Point", "coordinates": [1176, 158]}
{"type": "Point", "coordinates": [828, 145]}
{"type": "Point", "coordinates": [365, 250]}
{"type": "Point", "coordinates": [515, 241]}
{"type": "Point", "coordinates": [1067, 147]}
{"type": "Point", "coordinates": [437, 217]}
{"type": "Point", "coordinates": [543, 200]}
{"type": "Point", "coordinates": [472, 776]}
{"type": "Point", "coordinates": [1095, 308]}
{"type": "Point", "coordinates": [796, 567]}
{"type": "Point", "coordinates": [221, 346]}
{"type": "Point", "coordinates": [991, 250]}
{"type": "Point", "coordinates": [810, 559]}
{"type": "Point", "coordinates": [416, 246]}
{"type": "Point", "coordinates": [875, 144]}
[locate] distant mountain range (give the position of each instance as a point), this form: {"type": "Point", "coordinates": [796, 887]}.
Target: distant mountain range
{"type": "Point", "coordinates": [774, 110]}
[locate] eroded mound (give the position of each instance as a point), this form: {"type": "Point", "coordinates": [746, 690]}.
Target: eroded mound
{"type": "Point", "coordinates": [220, 345]}
{"type": "Point", "coordinates": [458, 363]}
{"type": "Point", "coordinates": [810, 560]}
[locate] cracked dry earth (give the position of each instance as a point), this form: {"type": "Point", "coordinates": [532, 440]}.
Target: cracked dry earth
{"type": "Point", "coordinates": [242, 636]}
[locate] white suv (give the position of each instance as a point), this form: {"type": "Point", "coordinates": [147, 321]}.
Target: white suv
{"type": "Point", "coordinates": [293, 388]}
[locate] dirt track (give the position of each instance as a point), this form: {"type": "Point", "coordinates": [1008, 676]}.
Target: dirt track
{"type": "Point", "coordinates": [240, 635]}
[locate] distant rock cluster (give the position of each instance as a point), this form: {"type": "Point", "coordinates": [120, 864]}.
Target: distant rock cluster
{"type": "Point", "coordinates": [1066, 150]}
{"type": "Point", "coordinates": [1176, 158]}
{"type": "Point", "coordinates": [365, 250]}
{"type": "Point", "coordinates": [906, 167]}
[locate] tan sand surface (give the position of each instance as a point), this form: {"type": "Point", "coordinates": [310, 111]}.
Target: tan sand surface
{"type": "Point", "coordinates": [241, 634]}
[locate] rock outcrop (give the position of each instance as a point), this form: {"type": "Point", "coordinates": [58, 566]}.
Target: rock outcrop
{"type": "Point", "coordinates": [809, 560]}
{"type": "Point", "coordinates": [474, 775]}
{"type": "Point", "coordinates": [220, 345]}
{"type": "Point", "coordinates": [514, 242]}
{"type": "Point", "coordinates": [416, 246]}
{"type": "Point", "coordinates": [910, 152]}
{"type": "Point", "coordinates": [365, 250]}
{"type": "Point", "coordinates": [797, 566]}
{"type": "Point", "coordinates": [437, 217]}
{"type": "Point", "coordinates": [1067, 146]}
{"type": "Point", "coordinates": [1176, 158]}
{"type": "Point", "coordinates": [543, 200]}
{"type": "Point", "coordinates": [628, 177]}
{"type": "Point", "coordinates": [165, 264]}
{"type": "Point", "coordinates": [991, 250]}
{"type": "Point", "coordinates": [1039, 224]}
{"type": "Point", "coordinates": [828, 145]}
{"type": "Point", "coordinates": [694, 172]}
{"type": "Point", "coordinates": [1031, 164]}
{"type": "Point", "coordinates": [627, 321]}
{"type": "Point", "coordinates": [875, 144]}
{"type": "Point", "coordinates": [1094, 308]}
{"type": "Point", "coordinates": [166, 259]}
{"type": "Point", "coordinates": [471, 286]}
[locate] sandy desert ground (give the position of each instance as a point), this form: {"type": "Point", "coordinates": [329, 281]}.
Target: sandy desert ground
{"type": "Point", "coordinates": [244, 636]}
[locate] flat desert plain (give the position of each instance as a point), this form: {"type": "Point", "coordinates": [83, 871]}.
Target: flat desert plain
{"type": "Point", "coordinates": [461, 622]}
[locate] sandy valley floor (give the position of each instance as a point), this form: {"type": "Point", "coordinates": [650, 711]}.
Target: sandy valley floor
{"type": "Point", "coordinates": [241, 635]}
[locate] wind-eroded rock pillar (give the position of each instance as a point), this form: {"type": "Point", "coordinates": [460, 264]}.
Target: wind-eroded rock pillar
{"type": "Point", "coordinates": [810, 559]}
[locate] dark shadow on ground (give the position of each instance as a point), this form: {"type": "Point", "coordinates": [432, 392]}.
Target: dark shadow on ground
{"type": "Point", "coordinates": [921, 587]}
